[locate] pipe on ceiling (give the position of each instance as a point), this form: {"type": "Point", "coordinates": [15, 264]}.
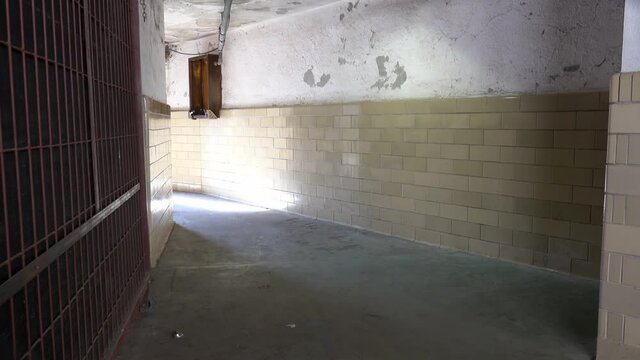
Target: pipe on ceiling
{"type": "Point", "coordinates": [224, 25]}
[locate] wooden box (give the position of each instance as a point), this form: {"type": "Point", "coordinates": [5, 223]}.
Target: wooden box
{"type": "Point", "coordinates": [205, 85]}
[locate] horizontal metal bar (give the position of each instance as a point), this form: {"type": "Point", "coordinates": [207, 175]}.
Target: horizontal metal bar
{"type": "Point", "coordinates": [19, 280]}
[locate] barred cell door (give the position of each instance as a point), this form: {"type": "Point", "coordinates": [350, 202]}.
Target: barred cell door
{"type": "Point", "coordinates": [74, 250]}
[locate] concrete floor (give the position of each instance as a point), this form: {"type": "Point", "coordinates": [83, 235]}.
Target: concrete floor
{"type": "Point", "coordinates": [244, 283]}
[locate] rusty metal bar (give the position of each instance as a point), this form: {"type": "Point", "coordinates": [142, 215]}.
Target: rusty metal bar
{"type": "Point", "coordinates": [135, 41]}
{"type": "Point", "coordinates": [20, 279]}
{"type": "Point", "coordinates": [91, 103]}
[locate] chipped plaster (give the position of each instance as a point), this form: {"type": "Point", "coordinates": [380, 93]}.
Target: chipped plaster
{"type": "Point", "coordinates": [152, 50]}
{"type": "Point", "coordinates": [434, 49]}
{"type": "Point", "coordinates": [430, 49]}
{"type": "Point", "coordinates": [194, 19]}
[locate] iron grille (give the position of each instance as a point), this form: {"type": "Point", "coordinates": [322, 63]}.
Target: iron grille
{"type": "Point", "coordinates": [70, 143]}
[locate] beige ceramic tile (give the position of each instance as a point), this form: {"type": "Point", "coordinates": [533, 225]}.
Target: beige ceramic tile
{"type": "Point", "coordinates": [556, 157]}
{"type": "Point", "coordinates": [486, 153]}
{"type": "Point", "coordinates": [483, 216]}
{"type": "Point", "coordinates": [539, 103]}
{"type": "Point", "coordinates": [622, 239]}
{"type": "Point", "coordinates": [632, 331]}
{"type": "Point", "coordinates": [625, 87]}
{"type": "Point", "coordinates": [516, 254]}
{"type": "Point", "coordinates": [635, 88]}
{"type": "Point", "coordinates": [625, 118]}
{"type": "Point", "coordinates": [615, 327]}
{"type": "Point", "coordinates": [631, 271]}
{"type": "Point", "coordinates": [556, 120]}
{"type": "Point", "coordinates": [614, 89]}
{"type": "Point", "coordinates": [496, 234]}
{"type": "Point", "coordinates": [485, 121]}
{"type": "Point", "coordinates": [633, 156]}
{"type": "Point", "coordinates": [502, 104]}
{"type": "Point", "coordinates": [520, 120]}
{"type": "Point", "coordinates": [614, 268]}
{"type": "Point", "coordinates": [623, 179]}
{"type": "Point", "coordinates": [631, 211]}
{"type": "Point", "coordinates": [579, 101]}
{"type": "Point", "coordinates": [484, 248]}
{"type": "Point", "coordinates": [455, 242]}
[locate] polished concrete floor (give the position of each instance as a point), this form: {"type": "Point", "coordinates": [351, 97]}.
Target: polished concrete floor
{"type": "Point", "coordinates": [240, 282]}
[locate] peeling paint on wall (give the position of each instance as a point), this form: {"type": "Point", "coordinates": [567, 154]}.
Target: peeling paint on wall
{"type": "Point", "coordinates": [452, 48]}
{"type": "Point", "coordinates": [152, 49]}
{"type": "Point", "coordinates": [372, 40]}
{"type": "Point", "coordinates": [401, 76]}
{"type": "Point", "coordinates": [383, 82]}
{"type": "Point", "coordinates": [343, 41]}
{"type": "Point", "coordinates": [310, 79]}
{"type": "Point", "coordinates": [324, 79]}
{"type": "Point", "coordinates": [382, 69]}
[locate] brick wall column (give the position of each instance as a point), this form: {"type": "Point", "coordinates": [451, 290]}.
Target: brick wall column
{"type": "Point", "coordinates": [619, 330]}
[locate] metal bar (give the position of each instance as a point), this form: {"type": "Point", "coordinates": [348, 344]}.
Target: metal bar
{"type": "Point", "coordinates": [20, 279]}
{"type": "Point", "coordinates": [58, 178]}
{"type": "Point", "coordinates": [54, 216]}
{"type": "Point", "coordinates": [16, 169]}
{"type": "Point", "coordinates": [127, 232]}
{"type": "Point", "coordinates": [69, 291]}
{"type": "Point", "coordinates": [3, 186]}
{"type": "Point", "coordinates": [91, 102]}
{"type": "Point", "coordinates": [43, 190]}
{"type": "Point", "coordinates": [31, 192]}
{"type": "Point", "coordinates": [135, 41]}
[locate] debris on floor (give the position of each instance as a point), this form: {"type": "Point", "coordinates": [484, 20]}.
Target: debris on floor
{"type": "Point", "coordinates": [296, 302]}
{"type": "Point", "coordinates": [151, 304]}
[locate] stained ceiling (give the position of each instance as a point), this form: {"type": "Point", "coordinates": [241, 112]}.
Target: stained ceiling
{"type": "Point", "coordinates": [194, 19]}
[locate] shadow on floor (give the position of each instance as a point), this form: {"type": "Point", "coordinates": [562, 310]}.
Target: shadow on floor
{"type": "Point", "coordinates": [270, 285]}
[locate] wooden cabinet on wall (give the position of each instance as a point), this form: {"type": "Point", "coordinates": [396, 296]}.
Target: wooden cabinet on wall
{"type": "Point", "coordinates": [205, 85]}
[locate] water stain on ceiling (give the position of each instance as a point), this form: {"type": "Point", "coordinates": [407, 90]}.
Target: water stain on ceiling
{"type": "Point", "coordinates": [193, 19]}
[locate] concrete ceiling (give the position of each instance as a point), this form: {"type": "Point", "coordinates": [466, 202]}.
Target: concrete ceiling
{"type": "Point", "coordinates": [194, 19]}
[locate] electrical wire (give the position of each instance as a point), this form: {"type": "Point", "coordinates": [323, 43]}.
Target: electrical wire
{"type": "Point", "coordinates": [189, 54]}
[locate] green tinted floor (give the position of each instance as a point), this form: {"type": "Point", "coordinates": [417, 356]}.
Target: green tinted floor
{"type": "Point", "coordinates": [246, 283]}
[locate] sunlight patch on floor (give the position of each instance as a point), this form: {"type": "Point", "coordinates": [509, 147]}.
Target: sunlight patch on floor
{"type": "Point", "coordinates": [214, 204]}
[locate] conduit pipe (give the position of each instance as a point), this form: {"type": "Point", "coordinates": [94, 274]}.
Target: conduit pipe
{"type": "Point", "coordinates": [224, 25]}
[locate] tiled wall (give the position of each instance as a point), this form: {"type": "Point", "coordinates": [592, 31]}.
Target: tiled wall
{"type": "Point", "coordinates": [159, 185]}
{"type": "Point", "coordinates": [186, 153]}
{"type": "Point", "coordinates": [519, 178]}
{"type": "Point", "coordinates": [620, 286]}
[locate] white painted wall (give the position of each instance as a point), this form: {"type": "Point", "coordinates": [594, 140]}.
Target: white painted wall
{"type": "Point", "coordinates": [152, 51]}
{"type": "Point", "coordinates": [444, 48]}
{"type": "Point", "coordinates": [631, 44]}
{"type": "Point", "coordinates": [177, 70]}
